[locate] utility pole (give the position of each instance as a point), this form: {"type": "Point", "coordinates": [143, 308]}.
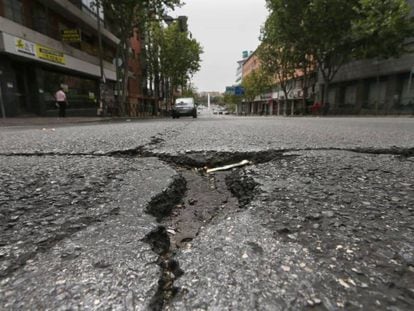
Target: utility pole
{"type": "Point", "coordinates": [102, 81]}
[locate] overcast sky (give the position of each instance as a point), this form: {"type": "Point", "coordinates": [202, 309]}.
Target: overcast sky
{"type": "Point", "coordinates": [224, 28]}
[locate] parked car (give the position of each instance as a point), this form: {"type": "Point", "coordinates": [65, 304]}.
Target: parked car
{"type": "Point", "coordinates": [184, 107]}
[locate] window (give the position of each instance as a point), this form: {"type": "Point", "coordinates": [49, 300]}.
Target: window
{"type": "Point", "coordinates": [13, 9]}
{"type": "Point", "coordinates": [81, 93]}
{"type": "Point", "coordinates": [40, 19]}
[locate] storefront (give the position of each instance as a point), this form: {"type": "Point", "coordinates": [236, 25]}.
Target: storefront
{"type": "Point", "coordinates": [31, 73]}
{"type": "Point", "coordinates": [82, 92]}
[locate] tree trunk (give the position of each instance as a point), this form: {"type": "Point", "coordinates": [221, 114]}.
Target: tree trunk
{"type": "Point", "coordinates": [125, 79]}
{"type": "Point", "coordinates": [378, 89]}
{"type": "Point", "coordinates": [124, 51]}
{"type": "Point", "coordinates": [285, 101]}
{"type": "Point", "coordinates": [325, 92]}
{"type": "Point", "coordinates": [304, 97]}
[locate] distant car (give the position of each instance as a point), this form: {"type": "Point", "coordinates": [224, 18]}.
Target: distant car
{"type": "Point", "coordinates": [222, 110]}
{"type": "Point", "coordinates": [184, 107]}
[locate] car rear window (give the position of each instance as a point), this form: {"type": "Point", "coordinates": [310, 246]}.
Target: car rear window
{"type": "Point", "coordinates": [183, 104]}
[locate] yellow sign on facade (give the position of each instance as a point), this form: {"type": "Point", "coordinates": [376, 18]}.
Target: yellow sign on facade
{"type": "Point", "coordinates": [49, 54]}
{"type": "Point", "coordinates": [71, 35]}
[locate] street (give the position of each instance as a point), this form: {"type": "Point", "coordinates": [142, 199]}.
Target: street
{"type": "Point", "coordinates": [123, 215]}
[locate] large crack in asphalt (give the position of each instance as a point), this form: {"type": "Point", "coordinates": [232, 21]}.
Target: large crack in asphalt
{"type": "Point", "coordinates": [212, 158]}
{"type": "Point", "coordinates": [190, 203]}
{"type": "Point", "coordinates": [195, 198]}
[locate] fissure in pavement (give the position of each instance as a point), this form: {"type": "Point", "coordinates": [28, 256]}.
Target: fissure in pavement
{"type": "Point", "coordinates": [213, 158]}
{"type": "Point", "coordinates": [194, 199]}
{"type": "Point", "coordinates": [189, 204]}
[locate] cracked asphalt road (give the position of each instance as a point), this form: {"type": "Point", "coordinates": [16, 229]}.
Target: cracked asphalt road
{"type": "Point", "coordinates": [90, 215]}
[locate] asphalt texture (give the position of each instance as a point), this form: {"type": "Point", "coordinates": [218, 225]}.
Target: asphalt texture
{"type": "Point", "coordinates": [123, 216]}
{"type": "Point", "coordinates": [329, 230]}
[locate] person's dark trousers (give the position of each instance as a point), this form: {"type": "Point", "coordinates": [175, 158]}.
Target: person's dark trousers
{"type": "Point", "coordinates": [62, 109]}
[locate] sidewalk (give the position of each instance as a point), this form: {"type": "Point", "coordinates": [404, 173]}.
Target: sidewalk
{"type": "Point", "coordinates": [47, 121]}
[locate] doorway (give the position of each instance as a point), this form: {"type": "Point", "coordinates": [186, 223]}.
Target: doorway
{"type": "Point", "coordinates": [22, 89]}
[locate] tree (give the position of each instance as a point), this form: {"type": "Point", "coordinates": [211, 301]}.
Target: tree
{"type": "Point", "coordinates": [254, 84]}
{"type": "Point", "coordinates": [127, 15]}
{"type": "Point", "coordinates": [333, 32]}
{"type": "Point", "coordinates": [328, 28]}
{"type": "Point", "coordinates": [179, 57]}
{"type": "Point", "coordinates": [317, 30]}
{"type": "Point", "coordinates": [381, 28]}
{"type": "Point", "coordinates": [232, 101]}
{"type": "Point", "coordinates": [279, 65]}
{"type": "Point", "coordinates": [285, 51]}
{"type": "Point", "coordinates": [151, 53]}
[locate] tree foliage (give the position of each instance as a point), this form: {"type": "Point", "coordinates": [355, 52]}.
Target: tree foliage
{"type": "Point", "coordinates": [127, 15]}
{"type": "Point", "coordinates": [191, 91]}
{"type": "Point", "coordinates": [255, 83]}
{"type": "Point", "coordinates": [180, 56]}
{"type": "Point", "coordinates": [382, 27]}
{"type": "Point", "coordinates": [333, 32]}
{"type": "Point", "coordinates": [231, 101]}
{"type": "Point", "coordinates": [282, 57]}
{"type": "Point", "coordinates": [279, 64]}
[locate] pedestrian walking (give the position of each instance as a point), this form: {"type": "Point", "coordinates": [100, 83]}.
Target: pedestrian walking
{"type": "Point", "coordinates": [61, 102]}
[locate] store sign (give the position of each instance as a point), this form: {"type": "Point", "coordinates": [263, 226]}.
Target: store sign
{"type": "Point", "coordinates": [39, 51]}
{"type": "Point", "coordinates": [49, 54]}
{"type": "Point", "coordinates": [71, 35]}
{"type": "Point", "coordinates": [25, 47]}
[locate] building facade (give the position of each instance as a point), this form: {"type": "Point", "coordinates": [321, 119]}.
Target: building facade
{"type": "Point", "coordinates": [374, 86]}
{"type": "Point", "coordinates": [301, 93]}
{"type": "Point", "coordinates": [45, 44]}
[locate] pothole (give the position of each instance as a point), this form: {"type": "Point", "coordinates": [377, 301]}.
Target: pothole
{"type": "Point", "coordinates": [206, 197]}
{"type": "Point", "coordinates": [188, 205]}
{"type": "Point", "coordinates": [200, 159]}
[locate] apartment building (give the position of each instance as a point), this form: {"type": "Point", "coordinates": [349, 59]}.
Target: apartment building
{"type": "Point", "coordinates": [273, 102]}
{"type": "Point", "coordinates": [45, 44]}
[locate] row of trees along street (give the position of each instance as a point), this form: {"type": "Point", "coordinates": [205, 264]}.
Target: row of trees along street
{"type": "Point", "coordinates": [170, 56]}
{"type": "Point", "coordinates": [301, 37]}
